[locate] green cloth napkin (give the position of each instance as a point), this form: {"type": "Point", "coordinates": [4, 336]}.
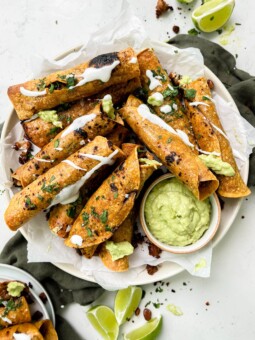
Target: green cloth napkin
{"type": "Point", "coordinates": [62, 288]}
{"type": "Point", "coordinates": [240, 84]}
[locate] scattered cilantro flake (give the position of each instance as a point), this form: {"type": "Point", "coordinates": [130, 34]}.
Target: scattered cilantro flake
{"type": "Point", "coordinates": [41, 85]}
{"type": "Point", "coordinates": [193, 31]}
{"type": "Point", "coordinates": [104, 216]}
{"type": "Point", "coordinates": [115, 195]}
{"type": "Point", "coordinates": [52, 178]}
{"type": "Point", "coordinates": [89, 232]}
{"type": "Point", "coordinates": [156, 304]}
{"type": "Point", "coordinates": [56, 143]}
{"type": "Point", "coordinates": [49, 188]}
{"type": "Point", "coordinates": [190, 93]}
{"type": "Point", "coordinates": [71, 211]}
{"type": "Point", "coordinates": [169, 140]}
{"type": "Point", "coordinates": [107, 228]}
{"type": "Point", "coordinates": [170, 92]}
{"type": "Point", "coordinates": [52, 88]}
{"type": "Point", "coordinates": [29, 204]}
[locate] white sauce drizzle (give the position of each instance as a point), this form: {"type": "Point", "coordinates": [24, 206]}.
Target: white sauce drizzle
{"type": "Point", "coordinates": [78, 123]}
{"type": "Point", "coordinates": [153, 82]}
{"type": "Point", "coordinates": [175, 107]}
{"type": "Point", "coordinates": [157, 96]}
{"type": "Point", "coordinates": [92, 73]}
{"type": "Point", "coordinates": [219, 130]}
{"type": "Point", "coordinates": [44, 160]}
{"type": "Point", "coordinates": [29, 93]}
{"type": "Point", "coordinates": [68, 228]}
{"type": "Point", "coordinates": [133, 60]}
{"type": "Point", "coordinates": [166, 108]}
{"type": "Point", "coordinates": [70, 193]}
{"type": "Point", "coordinates": [214, 153]}
{"type": "Point", "coordinates": [158, 77]}
{"type": "Point", "coordinates": [59, 149]}
{"type": "Point", "coordinates": [5, 319]}
{"type": "Point", "coordinates": [198, 103]}
{"type": "Point", "coordinates": [210, 98]}
{"type": "Point", "coordinates": [67, 161]}
{"type": "Point", "coordinates": [35, 116]}
{"type": "Point", "coordinates": [170, 87]}
{"type": "Point", "coordinates": [21, 336]}
{"type": "Point", "coordinates": [107, 97]}
{"type": "Point", "coordinates": [144, 111]}
{"type": "Point", "coordinates": [77, 240]}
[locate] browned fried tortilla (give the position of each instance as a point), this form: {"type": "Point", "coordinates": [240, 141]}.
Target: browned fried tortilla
{"type": "Point", "coordinates": [58, 86]}
{"type": "Point", "coordinates": [41, 132]}
{"type": "Point", "coordinates": [125, 230]}
{"type": "Point", "coordinates": [18, 313]}
{"type": "Point", "coordinates": [176, 118]}
{"type": "Point", "coordinates": [62, 216]}
{"type": "Point", "coordinates": [108, 207]}
{"type": "Point", "coordinates": [229, 186]}
{"type": "Point", "coordinates": [172, 151]}
{"type": "Point", "coordinates": [47, 329]}
{"type": "Point", "coordinates": [63, 145]}
{"type": "Point", "coordinates": [38, 195]}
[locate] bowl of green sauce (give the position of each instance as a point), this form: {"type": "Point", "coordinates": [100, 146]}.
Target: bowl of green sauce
{"type": "Point", "coordinates": [174, 219]}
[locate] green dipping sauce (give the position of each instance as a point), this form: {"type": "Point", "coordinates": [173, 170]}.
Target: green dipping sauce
{"type": "Point", "coordinates": [174, 215]}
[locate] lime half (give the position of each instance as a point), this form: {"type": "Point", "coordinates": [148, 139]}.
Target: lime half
{"type": "Point", "coordinates": [103, 320]}
{"type": "Point", "coordinates": [213, 14]}
{"type": "Point", "coordinates": [126, 302]}
{"type": "Point", "coordinates": [148, 331]}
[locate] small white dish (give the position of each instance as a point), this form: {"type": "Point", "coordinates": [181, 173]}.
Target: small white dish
{"type": "Point", "coordinates": [200, 243]}
{"type": "Point", "coordinates": [12, 273]}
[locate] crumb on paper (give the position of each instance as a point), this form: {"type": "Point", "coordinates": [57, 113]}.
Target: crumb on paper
{"type": "Point", "coordinates": [200, 264]}
{"type": "Point", "coordinates": [162, 7]}
{"type": "Point", "coordinates": [174, 309]}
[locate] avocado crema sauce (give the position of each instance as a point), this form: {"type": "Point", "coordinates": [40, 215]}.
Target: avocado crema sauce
{"type": "Point", "coordinates": [174, 215]}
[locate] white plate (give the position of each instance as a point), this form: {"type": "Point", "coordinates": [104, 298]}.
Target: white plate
{"type": "Point", "coordinates": [8, 272]}
{"type": "Point", "coordinates": [167, 269]}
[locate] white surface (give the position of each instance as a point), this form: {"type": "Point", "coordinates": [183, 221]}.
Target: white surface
{"type": "Point", "coordinates": [13, 273]}
{"type": "Point", "coordinates": [30, 26]}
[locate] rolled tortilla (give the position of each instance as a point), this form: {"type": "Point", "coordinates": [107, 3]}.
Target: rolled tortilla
{"type": "Point", "coordinates": [229, 186]}
{"type": "Point", "coordinates": [47, 329]}
{"type": "Point", "coordinates": [176, 117]}
{"type": "Point", "coordinates": [73, 84]}
{"type": "Point", "coordinates": [62, 216]}
{"type": "Point", "coordinates": [19, 312]}
{"type": "Point", "coordinates": [48, 190]}
{"type": "Point", "coordinates": [107, 208]}
{"type": "Point", "coordinates": [125, 230]}
{"type": "Point", "coordinates": [67, 142]}
{"type": "Point", "coordinates": [41, 132]}
{"type": "Point", "coordinates": [171, 150]}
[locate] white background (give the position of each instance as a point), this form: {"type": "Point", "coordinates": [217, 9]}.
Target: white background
{"type": "Point", "coordinates": [49, 27]}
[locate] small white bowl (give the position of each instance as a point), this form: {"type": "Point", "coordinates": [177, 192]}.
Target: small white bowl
{"type": "Point", "coordinates": [204, 239]}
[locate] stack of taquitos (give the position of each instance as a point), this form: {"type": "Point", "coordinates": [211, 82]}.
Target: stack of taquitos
{"type": "Point", "coordinates": [42, 192]}
{"type": "Point", "coordinates": [67, 142]}
{"type": "Point", "coordinates": [62, 216]}
{"type": "Point", "coordinates": [156, 82]}
{"type": "Point", "coordinates": [125, 230]}
{"type": "Point", "coordinates": [108, 207]}
{"type": "Point", "coordinates": [41, 132]}
{"type": "Point", "coordinates": [211, 136]}
{"type": "Point", "coordinates": [169, 148]}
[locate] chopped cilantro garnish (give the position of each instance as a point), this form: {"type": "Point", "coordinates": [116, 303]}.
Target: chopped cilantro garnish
{"type": "Point", "coordinates": [89, 232]}
{"type": "Point", "coordinates": [41, 85]}
{"type": "Point", "coordinates": [56, 143]}
{"type": "Point", "coordinates": [52, 178]}
{"type": "Point", "coordinates": [107, 228]}
{"type": "Point", "coordinates": [169, 140]}
{"type": "Point", "coordinates": [115, 195]}
{"type": "Point", "coordinates": [170, 92]}
{"type": "Point", "coordinates": [71, 211]}
{"type": "Point", "coordinates": [193, 31]}
{"type": "Point", "coordinates": [29, 205]}
{"type": "Point", "coordinates": [104, 216]}
{"type": "Point", "coordinates": [40, 198]}
{"type": "Point", "coordinates": [85, 218]}
{"type": "Point", "coordinates": [190, 93]}
{"type": "Point", "coordinates": [50, 188]}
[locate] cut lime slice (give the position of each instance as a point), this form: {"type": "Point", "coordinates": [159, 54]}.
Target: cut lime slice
{"type": "Point", "coordinates": [213, 14]}
{"type": "Point", "coordinates": [126, 302]}
{"type": "Point", "coordinates": [148, 331]}
{"type": "Point", "coordinates": [103, 320]}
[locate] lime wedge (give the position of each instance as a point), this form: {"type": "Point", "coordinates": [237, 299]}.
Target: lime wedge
{"type": "Point", "coordinates": [126, 302]}
{"type": "Point", "coordinates": [213, 14]}
{"type": "Point", "coordinates": [103, 320]}
{"type": "Point", "coordinates": [148, 331]}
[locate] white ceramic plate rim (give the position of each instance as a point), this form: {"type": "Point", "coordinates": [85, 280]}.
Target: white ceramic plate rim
{"type": "Point", "coordinates": [8, 272]}
{"type": "Point", "coordinates": [167, 269]}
